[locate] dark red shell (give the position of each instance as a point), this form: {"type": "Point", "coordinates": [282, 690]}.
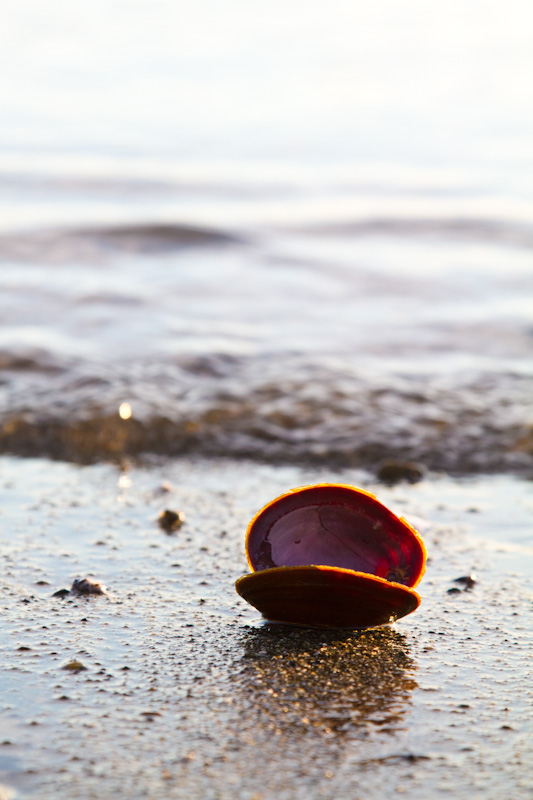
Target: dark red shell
{"type": "Point", "coordinates": [332, 555]}
{"type": "Point", "coordinates": [326, 597]}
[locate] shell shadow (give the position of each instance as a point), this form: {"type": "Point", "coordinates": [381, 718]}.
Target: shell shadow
{"type": "Point", "coordinates": [305, 682]}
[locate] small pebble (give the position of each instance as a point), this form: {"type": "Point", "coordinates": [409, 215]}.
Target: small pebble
{"type": "Point", "coordinates": [394, 471]}
{"type": "Point", "coordinates": [170, 521]}
{"type": "Point", "coordinates": [61, 593]}
{"type": "Point", "coordinates": [87, 586]}
{"type": "Point", "coordinates": [468, 581]}
{"type": "Point", "coordinates": [74, 666]}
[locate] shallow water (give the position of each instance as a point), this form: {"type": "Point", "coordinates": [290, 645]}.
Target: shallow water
{"type": "Point", "coordinates": [276, 235]}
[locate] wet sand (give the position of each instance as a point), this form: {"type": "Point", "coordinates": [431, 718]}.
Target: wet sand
{"type": "Point", "coordinates": [170, 686]}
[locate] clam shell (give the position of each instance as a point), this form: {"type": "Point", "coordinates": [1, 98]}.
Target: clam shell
{"type": "Point", "coordinates": [326, 597]}
{"type": "Point", "coordinates": [338, 526]}
{"type": "Point", "coordinates": [332, 555]}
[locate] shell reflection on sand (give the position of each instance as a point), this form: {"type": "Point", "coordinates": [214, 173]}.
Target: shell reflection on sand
{"type": "Point", "coordinates": [316, 684]}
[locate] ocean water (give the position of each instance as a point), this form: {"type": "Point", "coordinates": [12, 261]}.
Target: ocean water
{"type": "Point", "coordinates": [290, 232]}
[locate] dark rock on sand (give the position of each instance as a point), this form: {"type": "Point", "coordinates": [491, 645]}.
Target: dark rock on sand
{"type": "Point", "coordinates": [393, 471]}
{"type": "Point", "coordinates": [170, 521]}
{"type": "Point", "coordinates": [87, 586]}
{"type": "Point", "coordinates": [61, 593]}
{"type": "Point", "coordinates": [81, 586]}
{"type": "Point", "coordinates": [467, 581]}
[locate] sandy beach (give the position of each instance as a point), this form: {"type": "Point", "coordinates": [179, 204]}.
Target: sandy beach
{"type": "Point", "coordinates": [169, 685]}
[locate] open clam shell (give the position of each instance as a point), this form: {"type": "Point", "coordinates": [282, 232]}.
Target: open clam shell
{"type": "Point", "coordinates": [332, 555]}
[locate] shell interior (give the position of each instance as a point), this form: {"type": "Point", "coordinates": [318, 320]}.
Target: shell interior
{"type": "Point", "coordinates": [337, 526]}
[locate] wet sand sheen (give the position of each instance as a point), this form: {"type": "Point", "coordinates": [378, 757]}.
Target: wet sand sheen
{"type": "Point", "coordinates": [184, 690]}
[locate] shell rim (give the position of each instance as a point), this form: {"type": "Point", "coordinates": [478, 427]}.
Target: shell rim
{"type": "Point", "coordinates": [356, 490]}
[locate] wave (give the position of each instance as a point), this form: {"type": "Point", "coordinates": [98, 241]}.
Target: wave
{"type": "Point", "coordinates": [477, 424]}
{"type": "Point", "coordinates": [88, 243]}
{"type": "Point", "coordinates": [473, 229]}
{"type": "Point", "coordinates": [92, 242]}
